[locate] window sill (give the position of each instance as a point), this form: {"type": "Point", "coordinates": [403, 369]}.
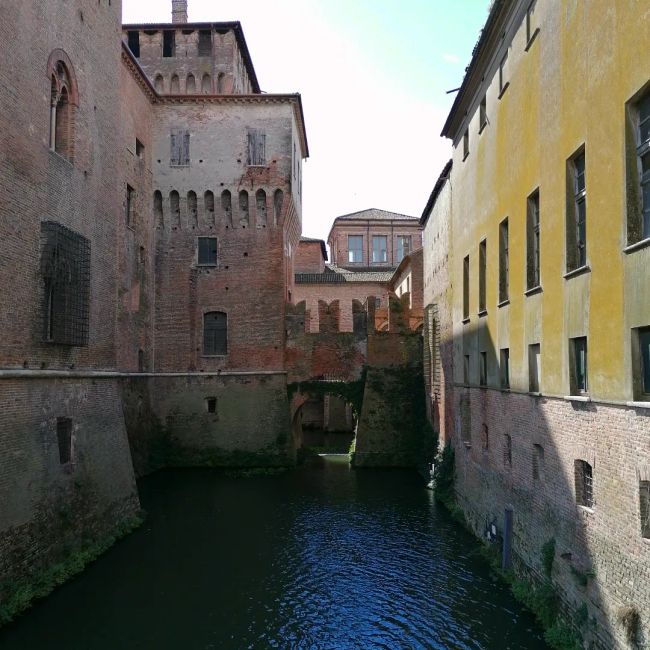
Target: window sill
{"type": "Point", "coordinates": [579, 271]}
{"type": "Point", "coordinates": [503, 303]}
{"type": "Point", "coordinates": [214, 356]}
{"type": "Point", "coordinates": [503, 90]}
{"type": "Point", "coordinates": [638, 405]}
{"type": "Point", "coordinates": [177, 166]}
{"type": "Point", "coordinates": [465, 320]}
{"type": "Point", "coordinates": [533, 290]}
{"type": "Point", "coordinates": [586, 509]}
{"type": "Point", "coordinates": [206, 266]}
{"type": "Point", "coordinates": [264, 166]}
{"type": "Point", "coordinates": [532, 40]}
{"type": "Point", "coordinates": [482, 313]}
{"type": "Point", "coordinates": [577, 398]}
{"type": "Point", "coordinates": [638, 245]}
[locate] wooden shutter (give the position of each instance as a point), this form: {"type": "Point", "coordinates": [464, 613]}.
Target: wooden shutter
{"type": "Point", "coordinates": [174, 156]}
{"type": "Point", "coordinates": [185, 158]}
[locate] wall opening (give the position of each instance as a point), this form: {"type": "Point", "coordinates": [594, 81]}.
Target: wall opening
{"type": "Point", "coordinates": [260, 206]}
{"type": "Point", "coordinates": [244, 217]}
{"type": "Point", "coordinates": [175, 208]}
{"type": "Point", "coordinates": [190, 85]}
{"type": "Point", "coordinates": [192, 209]}
{"type": "Point", "coordinates": [206, 84]}
{"type": "Point", "coordinates": [64, 439]}
{"type": "Point", "coordinates": [278, 200]}
{"type": "Point", "coordinates": [226, 206]}
{"type": "Point", "coordinates": [158, 209]}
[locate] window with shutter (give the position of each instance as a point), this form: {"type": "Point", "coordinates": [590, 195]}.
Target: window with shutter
{"type": "Point", "coordinates": [207, 251]}
{"type": "Point", "coordinates": [180, 148]}
{"type": "Point", "coordinates": [215, 334]}
{"type": "Point", "coordinates": [256, 147]}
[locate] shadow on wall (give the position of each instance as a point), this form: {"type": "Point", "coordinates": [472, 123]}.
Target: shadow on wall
{"type": "Point", "coordinates": [536, 497]}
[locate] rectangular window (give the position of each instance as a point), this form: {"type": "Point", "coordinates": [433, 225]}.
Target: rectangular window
{"type": "Point", "coordinates": [534, 367]}
{"type": "Point", "coordinates": [215, 334]}
{"type": "Point", "coordinates": [134, 43]}
{"type": "Point", "coordinates": [65, 271]}
{"type": "Point", "coordinates": [483, 369]}
{"type": "Point", "coordinates": [466, 369]}
{"type": "Point", "coordinates": [584, 479]}
{"type": "Point", "coordinates": [465, 144]}
{"type": "Point", "coordinates": [505, 367]}
{"type": "Point", "coordinates": [207, 251]}
{"type": "Point", "coordinates": [504, 262]}
{"type": "Point", "coordinates": [482, 270]}
{"type": "Point", "coordinates": [466, 288]}
{"type": "Point", "coordinates": [503, 80]}
{"type": "Point", "coordinates": [64, 439]}
{"type": "Point", "coordinates": [578, 365]}
{"type": "Point", "coordinates": [576, 226]}
{"type": "Point", "coordinates": [180, 148]}
{"type": "Point", "coordinates": [644, 503]}
{"type": "Point", "coordinates": [205, 42]}
{"type": "Point", "coordinates": [483, 113]}
{"type": "Point", "coordinates": [379, 249]}
{"type": "Point", "coordinates": [538, 462]}
{"type": "Point", "coordinates": [169, 44]}
{"type": "Point", "coordinates": [130, 205]}
{"type": "Point", "coordinates": [355, 249]}
{"type": "Point", "coordinates": [256, 147]}
{"type": "Point", "coordinates": [211, 404]}
{"type": "Point", "coordinates": [644, 358]}
{"type": "Point", "coordinates": [403, 247]}
{"type": "Point", "coordinates": [532, 239]}
{"type": "Point", "coordinates": [637, 137]}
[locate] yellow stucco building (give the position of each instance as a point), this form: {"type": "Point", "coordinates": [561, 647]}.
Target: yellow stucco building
{"type": "Point", "coordinates": [549, 264]}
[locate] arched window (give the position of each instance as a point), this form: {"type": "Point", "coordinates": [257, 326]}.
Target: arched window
{"type": "Point", "coordinates": [190, 84]}
{"type": "Point", "coordinates": [63, 99]}
{"type": "Point", "coordinates": [226, 206]}
{"type": "Point", "coordinates": [175, 209]}
{"type": "Point", "coordinates": [243, 208]}
{"type": "Point", "coordinates": [215, 334]}
{"type": "Point", "coordinates": [260, 204]}
{"type": "Point", "coordinates": [221, 83]}
{"type": "Point", "coordinates": [206, 84]}
{"type": "Point", "coordinates": [159, 84]}
{"type": "Point", "coordinates": [175, 87]}
{"type": "Point", "coordinates": [208, 204]}
{"type": "Point", "coordinates": [192, 208]}
{"type": "Point", "coordinates": [158, 209]}
{"type": "Point", "coordinates": [278, 200]}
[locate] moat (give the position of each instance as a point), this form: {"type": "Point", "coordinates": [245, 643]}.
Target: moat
{"type": "Point", "coordinates": [320, 557]}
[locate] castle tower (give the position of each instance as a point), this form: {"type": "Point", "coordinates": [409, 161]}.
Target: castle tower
{"type": "Point", "coordinates": [179, 11]}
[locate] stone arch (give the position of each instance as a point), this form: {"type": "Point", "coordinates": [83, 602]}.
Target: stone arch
{"type": "Point", "coordinates": [206, 84]}
{"type": "Point", "coordinates": [175, 209]}
{"type": "Point", "coordinates": [244, 216]}
{"type": "Point", "coordinates": [260, 207]}
{"type": "Point", "coordinates": [192, 209]}
{"type": "Point", "coordinates": [159, 84]}
{"type": "Point", "coordinates": [158, 210]}
{"type": "Point", "coordinates": [226, 206]}
{"type": "Point", "coordinates": [221, 83]}
{"type": "Point", "coordinates": [278, 200]}
{"type": "Point", "coordinates": [175, 87]}
{"type": "Point", "coordinates": [208, 206]}
{"type": "Point", "coordinates": [190, 84]}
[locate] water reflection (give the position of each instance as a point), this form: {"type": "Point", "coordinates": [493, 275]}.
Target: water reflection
{"type": "Point", "coordinates": [323, 557]}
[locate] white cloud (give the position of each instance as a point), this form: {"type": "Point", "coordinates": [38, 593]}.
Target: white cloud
{"type": "Point", "coordinates": [451, 58]}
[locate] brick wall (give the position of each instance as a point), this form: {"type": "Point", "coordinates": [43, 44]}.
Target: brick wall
{"type": "Point", "coordinates": [309, 258]}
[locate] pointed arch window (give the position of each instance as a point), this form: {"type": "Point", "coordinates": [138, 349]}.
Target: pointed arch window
{"type": "Point", "coordinates": [63, 99]}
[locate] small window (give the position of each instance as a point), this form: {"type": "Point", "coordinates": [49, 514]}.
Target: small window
{"type": "Point", "coordinates": [638, 169]}
{"type": "Point", "coordinates": [256, 147]}
{"type": "Point", "coordinates": [379, 249]}
{"type": "Point", "coordinates": [576, 223]}
{"type": "Point", "coordinates": [466, 369]}
{"type": "Point", "coordinates": [466, 144]}
{"type": "Point", "coordinates": [403, 247]}
{"type": "Point", "coordinates": [139, 149]}
{"type": "Point", "coordinates": [215, 334]}
{"type": "Point", "coordinates": [578, 365]}
{"type": "Point", "coordinates": [134, 43]}
{"type": "Point", "coordinates": [504, 262]}
{"type": "Point", "coordinates": [64, 439]}
{"type": "Point", "coordinates": [644, 507]}
{"type": "Point", "coordinates": [534, 368]}
{"type": "Point", "coordinates": [130, 205]}
{"type": "Point", "coordinates": [584, 483]}
{"type": "Point", "coordinates": [642, 363]}
{"type": "Point", "coordinates": [466, 288]}
{"type": "Point", "coordinates": [205, 42]}
{"type": "Point", "coordinates": [211, 404]}
{"type": "Point", "coordinates": [482, 270]}
{"type": "Point", "coordinates": [483, 113]}
{"type": "Point", "coordinates": [483, 368]}
{"type": "Point", "coordinates": [190, 84]}
{"type": "Point", "coordinates": [207, 251]}
{"type": "Point", "coordinates": [503, 72]}
{"type": "Point", "coordinates": [169, 44]}
{"type": "Point", "coordinates": [505, 367]}
{"type": "Point", "coordinates": [507, 450]}
{"type": "Point", "coordinates": [180, 148]}
{"type": "Point", "coordinates": [532, 241]}
{"type": "Point", "coordinates": [355, 249]}
{"type": "Point", "coordinates": [538, 462]}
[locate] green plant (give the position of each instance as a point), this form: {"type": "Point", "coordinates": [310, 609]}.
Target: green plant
{"type": "Point", "coordinates": [561, 637]}
{"type": "Point", "coordinates": [548, 556]}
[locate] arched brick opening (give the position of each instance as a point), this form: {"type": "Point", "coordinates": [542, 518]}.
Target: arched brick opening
{"type": "Point", "coordinates": [64, 98]}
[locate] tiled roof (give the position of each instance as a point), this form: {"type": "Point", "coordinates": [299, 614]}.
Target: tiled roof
{"type": "Point", "coordinates": [335, 274]}
{"type": "Point", "coordinates": [375, 213]}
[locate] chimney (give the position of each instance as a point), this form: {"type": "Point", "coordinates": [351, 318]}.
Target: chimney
{"type": "Point", "coordinates": [179, 11]}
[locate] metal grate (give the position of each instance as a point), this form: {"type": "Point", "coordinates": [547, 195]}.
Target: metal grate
{"type": "Point", "coordinates": [584, 483]}
{"type": "Point", "coordinates": [65, 268]}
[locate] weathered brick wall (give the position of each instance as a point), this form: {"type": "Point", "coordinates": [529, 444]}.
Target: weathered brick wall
{"type": "Point", "coordinates": [309, 258]}
{"type": "Point", "coordinates": [605, 540]}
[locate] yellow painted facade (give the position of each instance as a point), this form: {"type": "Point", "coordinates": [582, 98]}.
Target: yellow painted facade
{"type": "Point", "coordinates": [568, 87]}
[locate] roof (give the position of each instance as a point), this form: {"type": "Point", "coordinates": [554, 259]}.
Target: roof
{"type": "Point", "coordinates": [437, 188]}
{"type": "Point", "coordinates": [488, 41]}
{"type": "Point", "coordinates": [335, 274]}
{"type": "Point", "coordinates": [375, 213]}
{"type": "Point", "coordinates": [311, 240]}
{"type": "Point", "coordinates": [223, 27]}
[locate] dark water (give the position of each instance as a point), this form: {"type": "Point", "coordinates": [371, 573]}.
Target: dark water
{"type": "Point", "coordinates": [324, 557]}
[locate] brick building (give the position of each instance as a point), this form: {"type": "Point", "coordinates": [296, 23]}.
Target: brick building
{"type": "Point", "coordinates": [537, 303]}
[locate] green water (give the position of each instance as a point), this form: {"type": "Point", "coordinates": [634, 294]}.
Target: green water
{"type": "Point", "coordinates": [321, 557]}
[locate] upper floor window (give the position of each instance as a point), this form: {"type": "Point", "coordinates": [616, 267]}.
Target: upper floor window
{"type": "Point", "coordinates": [466, 288]}
{"type": "Point", "coordinates": [379, 249]}
{"type": "Point", "coordinates": [180, 148]}
{"type": "Point", "coordinates": [134, 42]}
{"type": "Point", "coordinates": [64, 439]}
{"type": "Point", "coordinates": [355, 249]}
{"type": "Point", "coordinates": [207, 253]}
{"type": "Point", "coordinates": [65, 270]}
{"type": "Point", "coordinates": [503, 74]}
{"type": "Point", "coordinates": [256, 147]}
{"type": "Point", "coordinates": [215, 334]}
{"type": "Point", "coordinates": [482, 272]}
{"type": "Point", "coordinates": [62, 102]}
{"type": "Point", "coordinates": [504, 261]}
{"type": "Point", "coordinates": [130, 205]}
{"type": "Point", "coordinates": [169, 43]}
{"type": "Point", "coordinates": [638, 169]}
{"type": "Point", "coordinates": [403, 247]}
{"type": "Point", "coordinates": [641, 361]}
{"type": "Point", "coordinates": [483, 113]}
{"type": "Point", "coordinates": [505, 368]}
{"type": "Point", "coordinates": [576, 226]}
{"type": "Point", "coordinates": [205, 42]}
{"type": "Point", "coordinates": [533, 241]}
{"type": "Point", "coordinates": [466, 144]}
{"type": "Point", "coordinates": [578, 365]}
{"type": "Point", "coordinates": [584, 483]}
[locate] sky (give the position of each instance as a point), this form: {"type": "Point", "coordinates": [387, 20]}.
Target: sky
{"type": "Point", "coordinates": [373, 76]}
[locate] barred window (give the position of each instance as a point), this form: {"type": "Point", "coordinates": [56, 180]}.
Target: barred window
{"type": "Point", "coordinates": [65, 269]}
{"type": "Point", "coordinates": [215, 333]}
{"type": "Point", "coordinates": [584, 483]}
{"type": "Point", "coordinates": [644, 503]}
